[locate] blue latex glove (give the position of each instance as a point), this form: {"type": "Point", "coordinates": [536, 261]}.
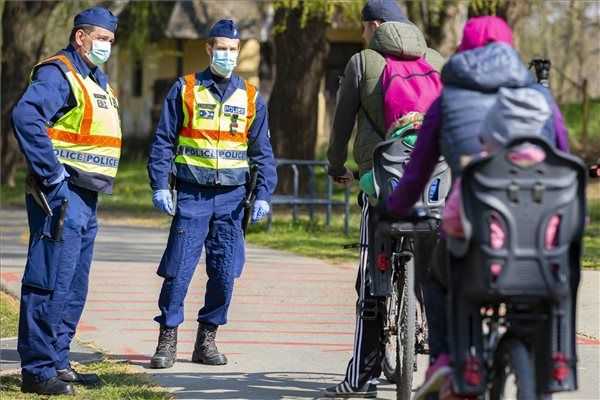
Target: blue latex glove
{"type": "Point", "coordinates": [260, 210]}
{"type": "Point", "coordinates": [63, 175]}
{"type": "Point", "coordinates": [163, 200]}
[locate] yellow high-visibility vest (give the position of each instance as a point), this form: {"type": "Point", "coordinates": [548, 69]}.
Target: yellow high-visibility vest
{"type": "Point", "coordinates": [213, 141]}
{"type": "Point", "coordinates": [88, 137]}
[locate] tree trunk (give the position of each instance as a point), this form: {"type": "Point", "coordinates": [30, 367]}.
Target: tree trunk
{"type": "Point", "coordinates": [23, 36]}
{"type": "Point", "coordinates": [300, 56]}
{"type": "Point", "coordinates": [440, 20]}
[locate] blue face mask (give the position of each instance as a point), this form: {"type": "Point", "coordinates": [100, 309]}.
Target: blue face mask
{"type": "Point", "coordinates": [223, 62]}
{"type": "Point", "coordinates": [100, 51]}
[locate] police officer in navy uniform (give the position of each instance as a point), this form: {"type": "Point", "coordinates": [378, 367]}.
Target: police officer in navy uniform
{"type": "Point", "coordinates": [213, 127]}
{"type": "Point", "coordinates": [67, 126]}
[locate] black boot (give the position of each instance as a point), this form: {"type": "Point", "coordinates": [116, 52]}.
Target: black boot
{"type": "Point", "coordinates": [205, 349]}
{"type": "Point", "coordinates": [166, 351]}
{"type": "Point", "coordinates": [69, 375]}
{"type": "Point", "coordinates": [52, 386]}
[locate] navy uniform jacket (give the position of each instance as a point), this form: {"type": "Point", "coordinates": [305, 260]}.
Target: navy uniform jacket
{"type": "Point", "coordinates": [46, 99]}
{"type": "Point", "coordinates": [164, 145]}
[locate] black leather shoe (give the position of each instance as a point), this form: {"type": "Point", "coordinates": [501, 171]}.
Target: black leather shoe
{"type": "Point", "coordinates": [166, 350]}
{"type": "Point", "coordinates": [205, 348]}
{"type": "Point", "coordinates": [69, 375]}
{"type": "Point", "coordinates": [50, 387]}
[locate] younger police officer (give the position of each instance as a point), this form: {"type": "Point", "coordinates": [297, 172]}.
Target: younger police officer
{"type": "Point", "coordinates": [213, 126]}
{"type": "Point", "coordinates": [67, 125]}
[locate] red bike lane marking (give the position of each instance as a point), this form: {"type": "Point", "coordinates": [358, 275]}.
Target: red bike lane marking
{"type": "Point", "coordinates": [225, 331]}
{"type": "Point", "coordinates": [259, 303]}
{"type": "Point", "coordinates": [84, 327]}
{"type": "Point", "coordinates": [10, 277]}
{"type": "Point", "coordinates": [268, 342]}
{"type": "Point", "coordinates": [586, 341]}
{"type": "Point", "coordinates": [155, 311]}
{"type": "Point", "coordinates": [131, 354]}
{"type": "Point", "coordinates": [258, 321]}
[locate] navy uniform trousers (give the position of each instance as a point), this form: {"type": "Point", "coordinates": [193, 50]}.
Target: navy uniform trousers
{"type": "Point", "coordinates": [210, 217]}
{"type": "Point", "coordinates": [55, 282]}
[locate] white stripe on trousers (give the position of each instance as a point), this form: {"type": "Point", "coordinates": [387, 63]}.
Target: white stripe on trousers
{"type": "Point", "coordinates": [353, 372]}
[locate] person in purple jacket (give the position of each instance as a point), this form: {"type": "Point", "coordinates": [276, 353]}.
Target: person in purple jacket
{"type": "Point", "coordinates": [485, 63]}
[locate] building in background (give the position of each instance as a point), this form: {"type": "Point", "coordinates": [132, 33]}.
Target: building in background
{"type": "Point", "coordinates": [143, 83]}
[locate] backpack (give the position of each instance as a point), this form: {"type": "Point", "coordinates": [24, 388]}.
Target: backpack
{"type": "Point", "coordinates": [409, 87]}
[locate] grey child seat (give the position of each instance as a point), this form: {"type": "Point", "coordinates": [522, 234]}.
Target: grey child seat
{"type": "Point", "coordinates": [523, 198]}
{"type": "Point", "coordinates": [390, 158]}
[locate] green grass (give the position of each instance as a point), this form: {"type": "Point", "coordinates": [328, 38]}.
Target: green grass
{"type": "Point", "coordinates": [119, 382]}
{"type": "Point", "coordinates": [309, 239]}
{"type": "Point", "coordinates": [9, 315]}
{"type": "Point", "coordinates": [131, 193]}
{"type": "Point", "coordinates": [591, 247]}
{"type": "Point", "coordinates": [573, 117]}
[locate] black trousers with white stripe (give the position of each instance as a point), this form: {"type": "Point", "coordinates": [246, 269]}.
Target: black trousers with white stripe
{"type": "Point", "coordinates": [368, 353]}
{"type": "Point", "coordinates": [365, 364]}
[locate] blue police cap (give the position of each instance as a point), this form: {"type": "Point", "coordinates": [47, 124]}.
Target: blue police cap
{"type": "Point", "coordinates": [224, 28]}
{"type": "Point", "coordinates": [383, 10]}
{"type": "Point", "coordinates": [97, 16]}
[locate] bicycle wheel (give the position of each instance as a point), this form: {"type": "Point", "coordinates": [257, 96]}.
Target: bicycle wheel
{"type": "Point", "coordinates": [405, 354]}
{"type": "Point", "coordinates": [514, 372]}
{"type": "Point", "coordinates": [390, 339]}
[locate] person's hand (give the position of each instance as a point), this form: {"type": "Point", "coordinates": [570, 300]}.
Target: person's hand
{"type": "Point", "coordinates": [260, 209]}
{"type": "Point", "coordinates": [345, 179]}
{"type": "Point", "coordinates": [163, 200]}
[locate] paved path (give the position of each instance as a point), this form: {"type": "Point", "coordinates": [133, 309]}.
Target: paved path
{"type": "Point", "coordinates": [11, 364]}
{"type": "Point", "coordinates": [291, 323]}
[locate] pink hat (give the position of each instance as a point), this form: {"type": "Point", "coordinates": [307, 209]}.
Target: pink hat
{"type": "Point", "coordinates": [479, 31]}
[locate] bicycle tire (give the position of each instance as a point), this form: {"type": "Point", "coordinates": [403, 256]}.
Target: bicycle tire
{"type": "Point", "coordinates": [390, 342]}
{"type": "Point", "coordinates": [405, 350]}
{"type": "Point", "coordinates": [513, 358]}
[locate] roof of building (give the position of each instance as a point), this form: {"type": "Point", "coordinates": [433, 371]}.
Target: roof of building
{"type": "Point", "coordinates": [192, 19]}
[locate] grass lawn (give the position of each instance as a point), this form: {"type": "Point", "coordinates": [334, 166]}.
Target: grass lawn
{"type": "Point", "coordinates": [120, 381]}
{"type": "Point", "coordinates": [9, 315]}
{"type": "Point", "coordinates": [574, 120]}
{"type": "Point", "coordinates": [309, 239]}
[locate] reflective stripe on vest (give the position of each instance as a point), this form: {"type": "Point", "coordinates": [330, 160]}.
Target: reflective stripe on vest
{"type": "Point", "coordinates": [87, 137]}
{"type": "Point", "coordinates": [214, 135]}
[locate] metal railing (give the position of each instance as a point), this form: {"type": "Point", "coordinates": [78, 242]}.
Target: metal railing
{"type": "Point", "coordinates": [311, 198]}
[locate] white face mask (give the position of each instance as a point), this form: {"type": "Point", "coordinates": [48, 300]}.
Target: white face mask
{"type": "Point", "coordinates": [100, 52]}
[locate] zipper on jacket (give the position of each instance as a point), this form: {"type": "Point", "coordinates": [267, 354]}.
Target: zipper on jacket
{"type": "Point", "coordinates": [217, 181]}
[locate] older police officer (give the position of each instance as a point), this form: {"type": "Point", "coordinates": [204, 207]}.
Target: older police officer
{"type": "Point", "coordinates": [213, 126]}
{"type": "Point", "coordinates": [68, 128]}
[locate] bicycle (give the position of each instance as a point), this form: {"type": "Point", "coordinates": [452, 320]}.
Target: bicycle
{"type": "Point", "coordinates": [392, 260]}
{"type": "Point", "coordinates": [513, 303]}
{"type": "Point", "coordinates": [405, 331]}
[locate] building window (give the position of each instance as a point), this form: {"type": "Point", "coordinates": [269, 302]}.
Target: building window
{"type": "Point", "coordinates": [137, 79]}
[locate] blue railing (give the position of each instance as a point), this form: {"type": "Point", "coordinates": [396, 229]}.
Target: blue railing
{"type": "Point", "coordinates": [310, 199]}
